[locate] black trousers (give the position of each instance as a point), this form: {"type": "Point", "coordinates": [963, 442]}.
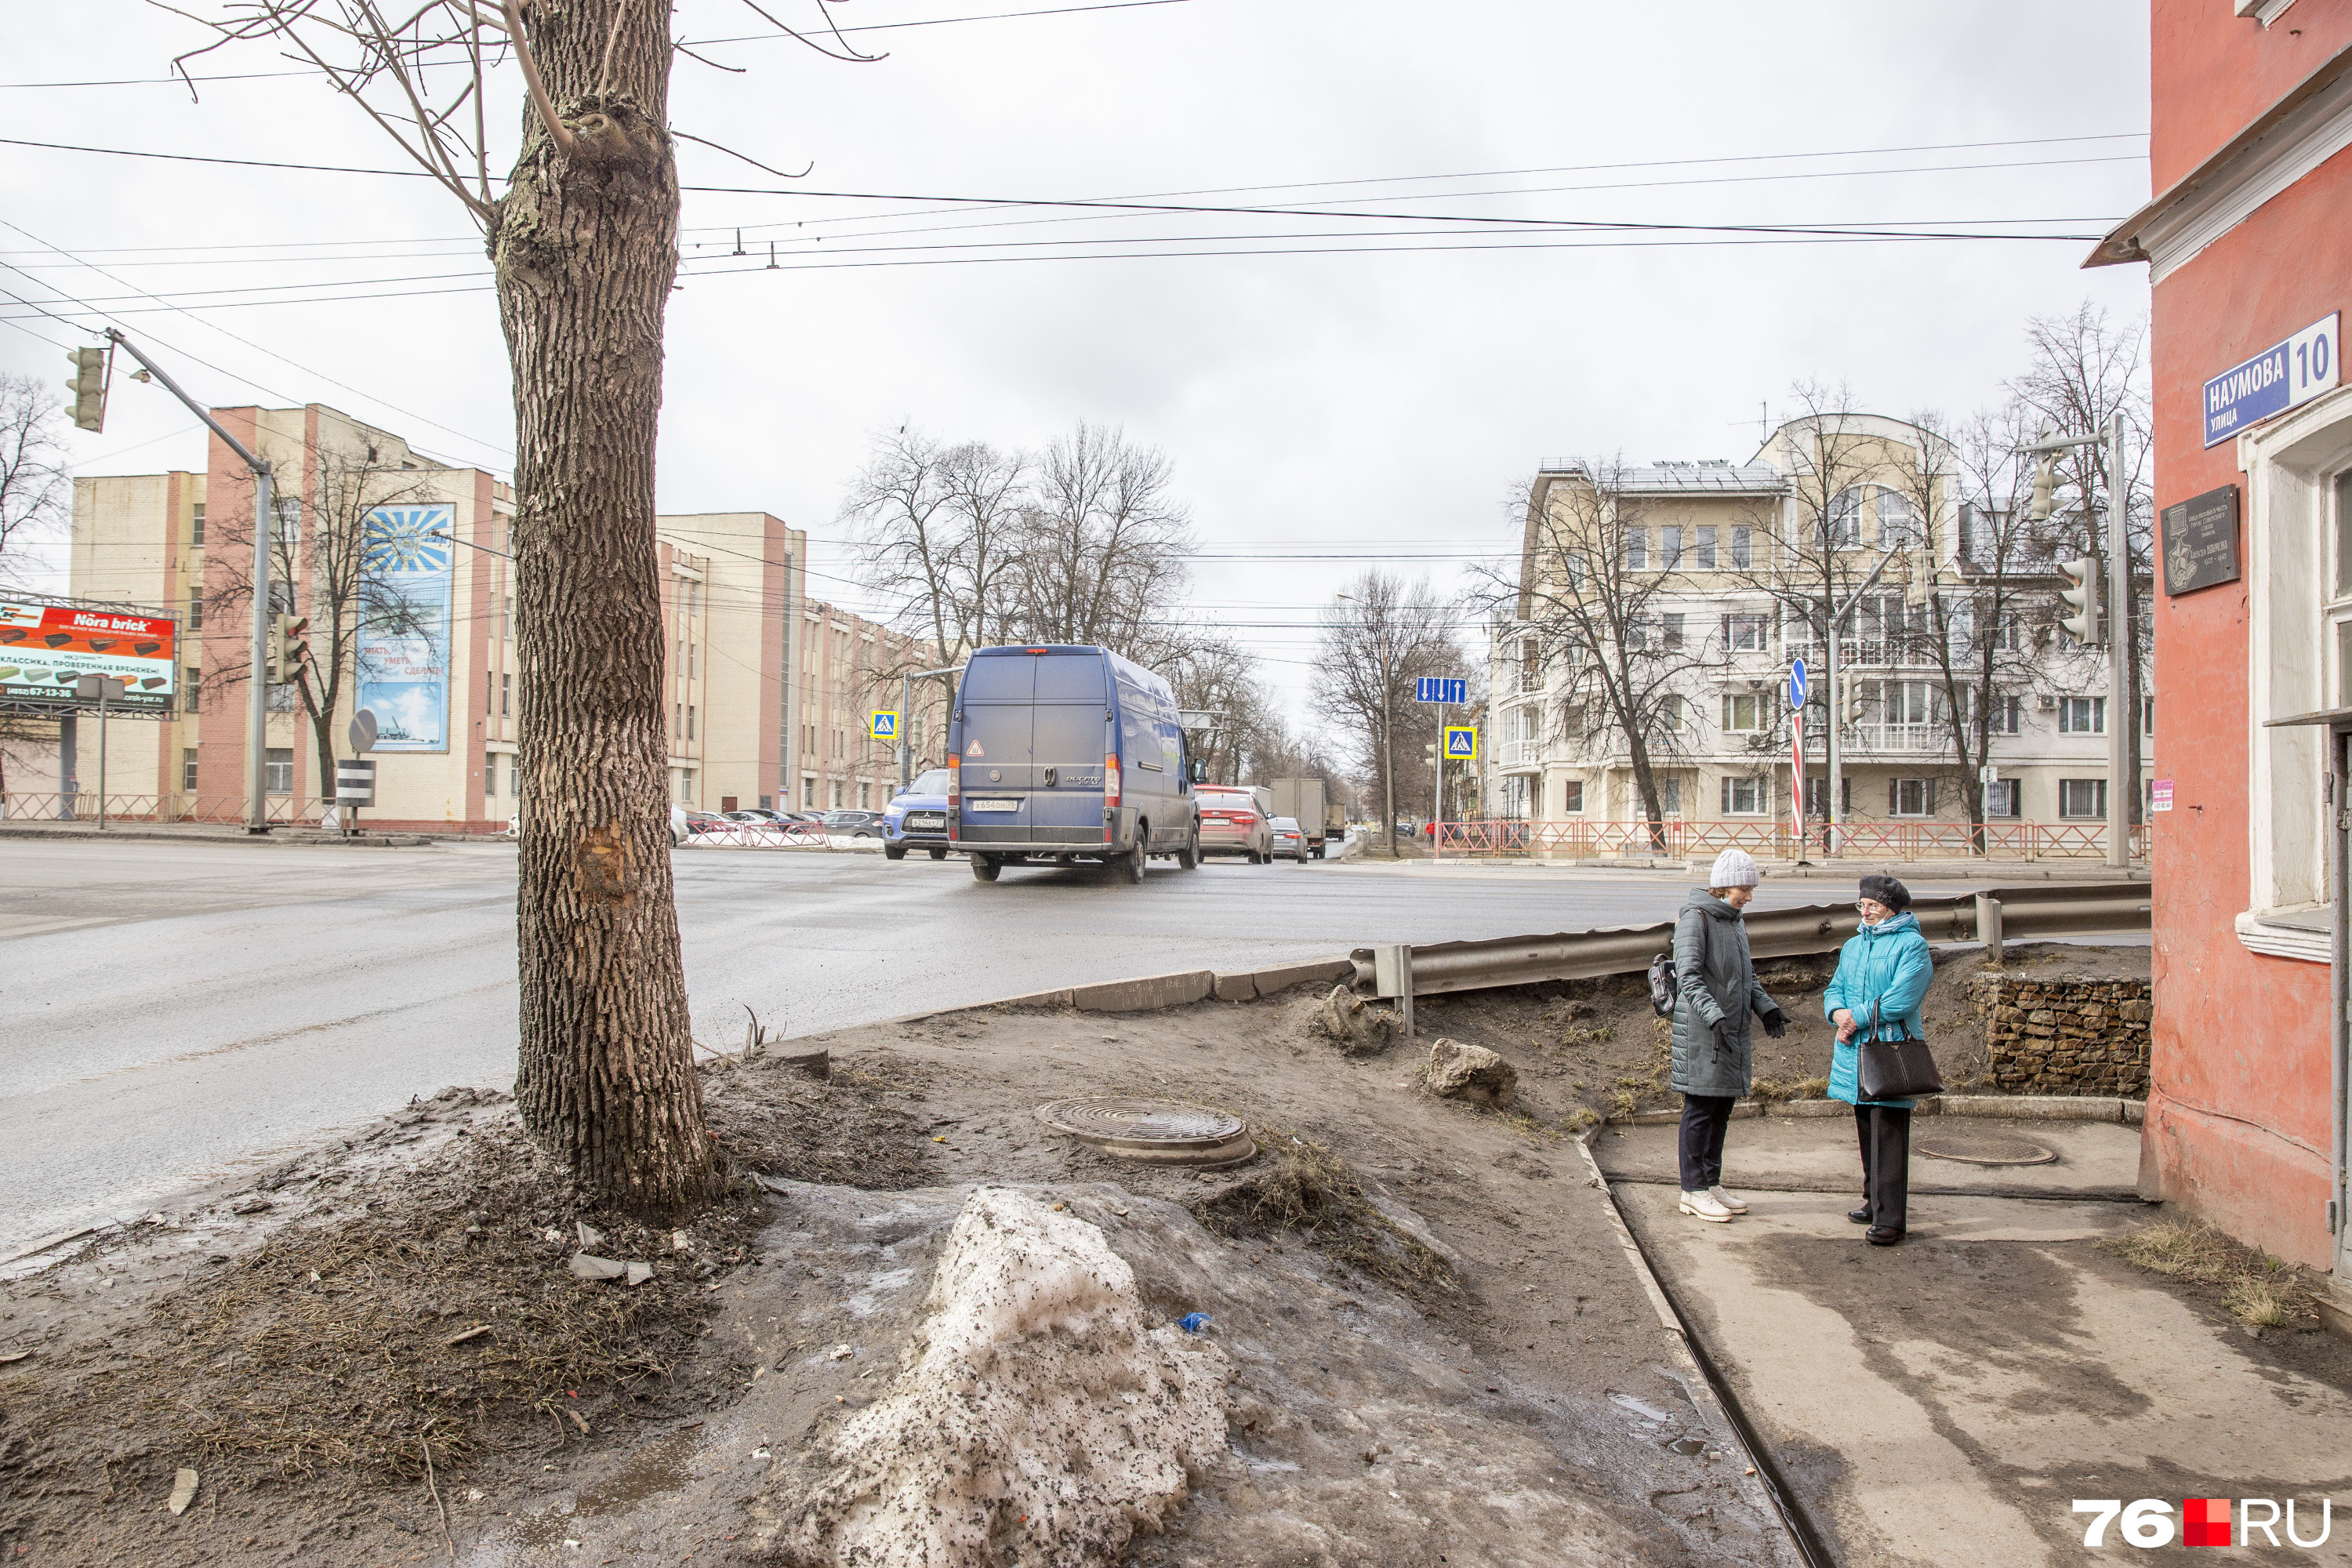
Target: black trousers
{"type": "Point", "coordinates": [1705, 1118]}
{"type": "Point", "coordinates": [1884, 1133]}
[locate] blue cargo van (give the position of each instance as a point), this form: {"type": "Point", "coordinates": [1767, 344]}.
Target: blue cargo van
{"type": "Point", "coordinates": [1064, 754]}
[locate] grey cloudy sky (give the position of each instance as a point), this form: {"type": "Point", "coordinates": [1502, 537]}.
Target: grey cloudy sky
{"type": "Point", "coordinates": [1378, 387]}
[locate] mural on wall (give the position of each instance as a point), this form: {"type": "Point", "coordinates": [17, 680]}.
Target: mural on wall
{"type": "Point", "coordinates": [403, 653]}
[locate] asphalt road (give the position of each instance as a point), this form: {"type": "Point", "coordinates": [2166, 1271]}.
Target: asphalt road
{"type": "Point", "coordinates": [175, 1012]}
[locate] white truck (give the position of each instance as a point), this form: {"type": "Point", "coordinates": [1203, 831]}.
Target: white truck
{"type": "Point", "coordinates": [1306, 802]}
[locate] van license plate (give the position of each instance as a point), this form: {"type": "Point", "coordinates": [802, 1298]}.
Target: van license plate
{"type": "Point", "coordinates": [992, 805]}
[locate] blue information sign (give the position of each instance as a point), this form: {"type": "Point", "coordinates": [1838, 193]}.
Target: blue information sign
{"type": "Point", "coordinates": [2273, 381]}
{"type": "Point", "coordinates": [1795, 683]}
{"type": "Point", "coordinates": [1441, 689]}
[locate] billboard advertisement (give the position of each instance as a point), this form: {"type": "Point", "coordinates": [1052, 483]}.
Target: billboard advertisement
{"type": "Point", "coordinates": [405, 554]}
{"type": "Point", "coordinates": [46, 647]}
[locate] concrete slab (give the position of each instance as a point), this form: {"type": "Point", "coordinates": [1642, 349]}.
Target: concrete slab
{"type": "Point", "coordinates": [2095, 1158]}
{"type": "Point", "coordinates": [1946, 1401]}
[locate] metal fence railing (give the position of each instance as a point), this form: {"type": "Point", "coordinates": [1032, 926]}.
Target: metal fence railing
{"type": "Point", "coordinates": [22, 805]}
{"type": "Point", "coordinates": [2026, 914]}
{"type": "Point", "coordinates": [1679, 839]}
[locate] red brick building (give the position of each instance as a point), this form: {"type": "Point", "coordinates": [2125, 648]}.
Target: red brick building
{"type": "Point", "coordinates": [2249, 247]}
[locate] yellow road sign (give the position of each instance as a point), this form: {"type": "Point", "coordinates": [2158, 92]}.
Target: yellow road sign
{"type": "Point", "coordinates": [882, 724]}
{"type": "Point", "coordinates": [1462, 742]}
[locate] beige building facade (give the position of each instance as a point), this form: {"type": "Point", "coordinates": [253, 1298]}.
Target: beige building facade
{"type": "Point", "coordinates": [445, 680]}
{"type": "Point", "coordinates": [849, 668]}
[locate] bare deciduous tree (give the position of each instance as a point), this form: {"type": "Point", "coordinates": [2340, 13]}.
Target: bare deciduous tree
{"type": "Point", "coordinates": [583, 245]}
{"type": "Point", "coordinates": [940, 526]}
{"type": "Point", "coordinates": [1382, 635]}
{"type": "Point", "coordinates": [1103, 547]}
{"type": "Point", "coordinates": [33, 484]}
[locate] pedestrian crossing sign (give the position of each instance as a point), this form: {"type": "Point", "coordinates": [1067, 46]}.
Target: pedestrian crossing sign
{"type": "Point", "coordinates": [882, 724]}
{"type": "Point", "coordinates": [1462, 742]}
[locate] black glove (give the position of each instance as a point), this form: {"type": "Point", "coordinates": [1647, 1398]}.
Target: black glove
{"type": "Point", "coordinates": [1726, 1035]}
{"type": "Point", "coordinates": [1776, 1023]}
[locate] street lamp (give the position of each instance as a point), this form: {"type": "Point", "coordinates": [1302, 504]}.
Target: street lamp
{"type": "Point", "coordinates": [1388, 750]}
{"type": "Point", "coordinates": [2118, 617]}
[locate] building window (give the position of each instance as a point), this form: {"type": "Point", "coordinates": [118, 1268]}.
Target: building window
{"type": "Point", "coordinates": [685, 788]}
{"type": "Point", "coordinates": [1745, 796]}
{"type": "Point", "coordinates": [1530, 665]}
{"type": "Point", "coordinates": [2147, 716]}
{"type": "Point", "coordinates": [808, 794]}
{"type": "Point", "coordinates": [2001, 798]}
{"type": "Point", "coordinates": [1898, 521]}
{"type": "Point", "coordinates": [1911, 797]}
{"type": "Point", "coordinates": [1742, 712]}
{"type": "Point", "coordinates": [1845, 523]}
{"type": "Point", "coordinates": [196, 528]}
{"type": "Point", "coordinates": [196, 611]}
{"type": "Point", "coordinates": [189, 686]}
{"type": "Point", "coordinates": [1670, 547]}
{"type": "Point", "coordinates": [514, 776]}
{"type": "Point", "coordinates": [865, 797]}
{"type": "Point", "coordinates": [1673, 621]}
{"type": "Point", "coordinates": [1741, 553]}
{"type": "Point", "coordinates": [1670, 794]}
{"type": "Point", "coordinates": [1703, 551]}
{"type": "Point", "coordinates": [1817, 790]}
{"type": "Point", "coordinates": [1573, 721]}
{"type": "Point", "coordinates": [1637, 634]}
{"type": "Point", "coordinates": [1571, 796]}
{"type": "Point", "coordinates": [1637, 550]}
{"type": "Point", "coordinates": [277, 769]}
{"type": "Point", "coordinates": [188, 760]}
{"type": "Point", "coordinates": [836, 794]}
{"type": "Point", "coordinates": [2008, 714]}
{"type": "Point", "coordinates": [689, 721]}
{"type": "Point", "coordinates": [506, 696]}
{"type": "Point", "coordinates": [1670, 715]}
{"type": "Point", "coordinates": [2082, 716]}
{"type": "Point", "coordinates": [1745, 634]}
{"type": "Point", "coordinates": [2079, 799]}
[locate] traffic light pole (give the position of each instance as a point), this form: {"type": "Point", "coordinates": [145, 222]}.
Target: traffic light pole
{"type": "Point", "coordinates": [256, 809]}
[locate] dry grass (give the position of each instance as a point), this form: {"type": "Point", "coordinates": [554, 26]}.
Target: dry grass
{"type": "Point", "coordinates": [1302, 1186]}
{"type": "Point", "coordinates": [1773, 1090]}
{"type": "Point", "coordinates": [2259, 1290]}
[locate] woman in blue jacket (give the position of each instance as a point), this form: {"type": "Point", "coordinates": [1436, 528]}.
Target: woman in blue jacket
{"type": "Point", "coordinates": [1883, 973]}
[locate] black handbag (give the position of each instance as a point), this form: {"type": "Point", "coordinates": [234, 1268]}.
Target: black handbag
{"type": "Point", "coordinates": [1895, 1069]}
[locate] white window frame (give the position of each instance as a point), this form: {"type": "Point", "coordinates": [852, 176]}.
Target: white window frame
{"type": "Point", "coordinates": [2098, 792]}
{"type": "Point", "coordinates": [2011, 797]}
{"type": "Point", "coordinates": [2290, 466]}
{"type": "Point", "coordinates": [1572, 797]}
{"type": "Point", "coordinates": [1925, 789]}
{"type": "Point", "coordinates": [1760, 795]}
{"type": "Point", "coordinates": [2071, 717]}
{"type": "Point", "coordinates": [1703, 550]}
{"type": "Point", "coordinates": [1731, 701]}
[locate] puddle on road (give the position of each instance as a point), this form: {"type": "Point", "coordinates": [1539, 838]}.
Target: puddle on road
{"type": "Point", "coordinates": [659, 1467]}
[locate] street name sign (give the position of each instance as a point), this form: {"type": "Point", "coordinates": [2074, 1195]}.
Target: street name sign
{"type": "Point", "coordinates": [1442, 689]}
{"type": "Point", "coordinates": [2286, 373]}
{"type": "Point", "coordinates": [1462, 742]}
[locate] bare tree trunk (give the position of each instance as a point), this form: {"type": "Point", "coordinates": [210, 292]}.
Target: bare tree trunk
{"type": "Point", "coordinates": [585, 247]}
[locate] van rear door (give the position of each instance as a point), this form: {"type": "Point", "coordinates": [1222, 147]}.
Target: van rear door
{"type": "Point", "coordinates": [997, 698]}
{"type": "Point", "coordinates": [1068, 740]}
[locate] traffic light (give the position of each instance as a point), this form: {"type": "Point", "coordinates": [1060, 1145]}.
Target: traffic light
{"type": "Point", "coordinates": [89, 388]}
{"type": "Point", "coordinates": [288, 648]}
{"type": "Point", "coordinates": [2046, 479]}
{"type": "Point", "coordinates": [1851, 714]}
{"type": "Point", "coordinates": [2084, 624]}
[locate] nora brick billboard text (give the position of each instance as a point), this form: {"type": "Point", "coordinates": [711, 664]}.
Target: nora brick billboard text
{"type": "Point", "coordinates": [46, 648]}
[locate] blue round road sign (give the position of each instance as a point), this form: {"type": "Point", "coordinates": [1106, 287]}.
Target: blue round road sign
{"type": "Point", "coordinates": [1795, 683]}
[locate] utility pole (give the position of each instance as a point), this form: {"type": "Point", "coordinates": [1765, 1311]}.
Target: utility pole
{"type": "Point", "coordinates": [256, 809]}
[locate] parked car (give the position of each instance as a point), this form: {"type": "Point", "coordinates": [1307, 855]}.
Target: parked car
{"type": "Point", "coordinates": [1232, 824]}
{"type": "Point", "coordinates": [1067, 752]}
{"type": "Point", "coordinates": [1289, 840]}
{"type": "Point", "coordinates": [918, 817]}
{"type": "Point", "coordinates": [854, 824]}
{"type": "Point", "coordinates": [677, 824]}
{"type": "Point", "coordinates": [701, 822]}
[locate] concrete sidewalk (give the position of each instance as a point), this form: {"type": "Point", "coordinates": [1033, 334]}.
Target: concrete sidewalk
{"type": "Point", "coordinates": [1945, 1402]}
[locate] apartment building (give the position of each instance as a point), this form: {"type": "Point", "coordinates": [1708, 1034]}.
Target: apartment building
{"type": "Point", "coordinates": [416, 554]}
{"type": "Point", "coordinates": [1666, 601]}
{"type": "Point", "coordinates": [850, 668]}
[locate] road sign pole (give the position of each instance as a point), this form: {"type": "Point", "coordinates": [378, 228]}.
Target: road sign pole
{"type": "Point", "coordinates": [102, 685]}
{"type": "Point", "coordinates": [1437, 828]}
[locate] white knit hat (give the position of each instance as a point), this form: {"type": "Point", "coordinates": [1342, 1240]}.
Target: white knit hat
{"type": "Point", "coordinates": [1733, 868]}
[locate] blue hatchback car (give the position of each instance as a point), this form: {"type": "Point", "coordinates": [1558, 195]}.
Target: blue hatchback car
{"type": "Point", "coordinates": [918, 818]}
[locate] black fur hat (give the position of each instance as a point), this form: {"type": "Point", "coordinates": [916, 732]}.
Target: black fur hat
{"type": "Point", "coordinates": [1889, 891]}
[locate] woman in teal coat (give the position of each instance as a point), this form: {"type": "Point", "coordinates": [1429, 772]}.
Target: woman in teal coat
{"type": "Point", "coordinates": [1883, 975]}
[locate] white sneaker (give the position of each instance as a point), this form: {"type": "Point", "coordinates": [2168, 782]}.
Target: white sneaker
{"type": "Point", "coordinates": [1704, 1205]}
{"type": "Point", "coordinates": [1737, 1205]}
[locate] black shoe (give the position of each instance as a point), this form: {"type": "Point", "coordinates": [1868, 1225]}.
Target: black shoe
{"type": "Point", "coordinates": [1860, 1215]}
{"type": "Point", "coordinates": [1881, 1236]}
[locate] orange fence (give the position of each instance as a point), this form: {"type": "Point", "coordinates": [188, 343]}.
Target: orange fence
{"type": "Point", "coordinates": [18, 806]}
{"type": "Point", "coordinates": [1674, 839]}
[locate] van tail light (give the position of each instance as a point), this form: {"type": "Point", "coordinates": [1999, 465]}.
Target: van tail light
{"type": "Point", "coordinates": [955, 782]}
{"type": "Point", "coordinates": [1110, 798]}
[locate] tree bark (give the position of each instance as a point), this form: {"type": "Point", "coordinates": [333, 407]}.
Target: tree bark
{"type": "Point", "coordinates": [585, 250]}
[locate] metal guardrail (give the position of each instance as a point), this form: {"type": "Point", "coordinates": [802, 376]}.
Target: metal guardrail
{"type": "Point", "coordinates": [48, 806]}
{"type": "Point", "coordinates": [2025, 915]}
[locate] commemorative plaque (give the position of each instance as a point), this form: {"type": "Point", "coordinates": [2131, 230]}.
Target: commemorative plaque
{"type": "Point", "coordinates": [2201, 542]}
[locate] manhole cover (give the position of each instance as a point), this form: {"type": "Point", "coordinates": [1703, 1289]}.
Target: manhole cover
{"type": "Point", "coordinates": [1986, 1148]}
{"type": "Point", "coordinates": [1161, 1131]}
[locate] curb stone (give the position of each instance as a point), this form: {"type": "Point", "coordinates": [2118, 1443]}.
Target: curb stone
{"type": "Point", "coordinates": [2011, 1107]}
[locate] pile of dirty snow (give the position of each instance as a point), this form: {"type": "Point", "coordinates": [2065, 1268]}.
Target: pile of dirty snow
{"type": "Point", "coordinates": [1037, 1419]}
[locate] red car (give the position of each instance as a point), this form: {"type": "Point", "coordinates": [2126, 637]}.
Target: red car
{"type": "Point", "coordinates": [1230, 823]}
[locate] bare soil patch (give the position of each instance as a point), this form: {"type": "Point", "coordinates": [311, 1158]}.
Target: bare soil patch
{"type": "Point", "coordinates": [1441, 1353]}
